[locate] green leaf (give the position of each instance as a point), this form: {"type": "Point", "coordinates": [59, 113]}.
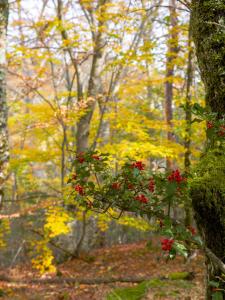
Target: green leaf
{"type": "Point", "coordinates": [214, 283]}
{"type": "Point", "coordinates": [217, 296]}
{"type": "Point", "coordinates": [136, 172]}
{"type": "Point", "coordinates": [198, 108]}
{"type": "Point", "coordinates": [198, 239]}
{"type": "Point", "coordinates": [171, 189]}
{"type": "Point", "coordinates": [91, 184]}
{"type": "Point", "coordinates": [181, 249]}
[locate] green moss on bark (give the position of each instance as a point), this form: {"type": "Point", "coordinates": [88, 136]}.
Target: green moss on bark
{"type": "Point", "coordinates": [208, 199]}
{"type": "Point", "coordinates": [208, 31]}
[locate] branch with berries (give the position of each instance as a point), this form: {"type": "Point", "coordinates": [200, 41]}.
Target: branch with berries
{"type": "Point", "coordinates": [134, 189]}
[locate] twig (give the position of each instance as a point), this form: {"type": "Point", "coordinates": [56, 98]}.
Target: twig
{"type": "Point", "coordinates": [17, 253]}
{"type": "Point", "coordinates": [53, 243]}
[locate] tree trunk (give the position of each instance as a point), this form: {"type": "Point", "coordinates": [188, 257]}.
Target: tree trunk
{"type": "Point", "coordinates": [4, 151]}
{"type": "Point", "coordinates": [83, 125]}
{"type": "Point", "coordinates": [170, 57]}
{"type": "Point", "coordinates": [188, 119]}
{"type": "Point", "coordinates": [207, 192]}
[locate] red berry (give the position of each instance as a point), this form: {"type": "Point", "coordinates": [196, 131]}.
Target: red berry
{"type": "Point", "coordinates": [116, 186]}
{"type": "Point", "coordinates": [80, 157]}
{"type": "Point", "coordinates": [221, 131]}
{"type": "Point", "coordinates": [130, 186]}
{"type": "Point", "coordinates": [209, 124]}
{"type": "Point", "coordinates": [167, 244]}
{"type": "Point", "coordinates": [79, 189]}
{"type": "Point", "coordinates": [96, 157]}
{"type": "Point", "coordinates": [151, 185]}
{"type": "Point", "coordinates": [176, 176]}
{"type": "Point", "coordinates": [138, 165]}
{"type": "Point", "coordinates": [142, 198]}
{"type": "Point", "coordinates": [81, 160]}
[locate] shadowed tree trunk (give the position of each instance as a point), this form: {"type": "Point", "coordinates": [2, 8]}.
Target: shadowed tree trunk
{"type": "Point", "coordinates": [4, 151]}
{"type": "Point", "coordinates": [208, 31]}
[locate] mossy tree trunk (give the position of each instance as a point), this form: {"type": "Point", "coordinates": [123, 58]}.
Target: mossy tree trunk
{"type": "Point", "coordinates": [4, 153]}
{"type": "Point", "coordinates": [208, 31]}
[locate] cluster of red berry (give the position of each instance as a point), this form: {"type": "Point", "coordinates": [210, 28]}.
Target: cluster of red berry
{"type": "Point", "coordinates": [221, 131]}
{"type": "Point", "coordinates": [209, 124]}
{"type": "Point", "coordinates": [81, 159]}
{"type": "Point", "coordinates": [142, 198]}
{"type": "Point", "coordinates": [130, 186]}
{"type": "Point", "coordinates": [138, 165]}
{"type": "Point", "coordinates": [167, 244]}
{"type": "Point", "coordinates": [176, 176]}
{"type": "Point", "coordinates": [116, 185]}
{"type": "Point", "coordinates": [79, 189]}
{"type": "Point", "coordinates": [151, 185]}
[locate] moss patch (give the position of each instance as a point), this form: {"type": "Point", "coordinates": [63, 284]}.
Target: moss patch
{"type": "Point", "coordinates": [159, 287]}
{"type": "Point", "coordinates": [208, 199]}
{"type": "Point", "coordinates": [132, 293]}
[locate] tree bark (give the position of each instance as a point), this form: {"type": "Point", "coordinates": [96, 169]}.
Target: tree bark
{"type": "Point", "coordinates": [188, 119]}
{"type": "Point", "coordinates": [83, 125]}
{"type": "Point", "coordinates": [207, 190]}
{"type": "Point", "coordinates": [170, 57]}
{"type": "Point", "coordinates": [4, 150]}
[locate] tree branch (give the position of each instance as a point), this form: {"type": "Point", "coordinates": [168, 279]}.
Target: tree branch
{"type": "Point", "coordinates": [215, 260]}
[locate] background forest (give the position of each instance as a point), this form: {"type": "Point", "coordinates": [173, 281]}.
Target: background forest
{"type": "Point", "coordinates": [119, 77]}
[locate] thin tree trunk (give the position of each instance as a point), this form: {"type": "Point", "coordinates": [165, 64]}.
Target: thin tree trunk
{"type": "Point", "coordinates": [4, 148]}
{"type": "Point", "coordinates": [207, 191]}
{"type": "Point", "coordinates": [63, 155]}
{"type": "Point", "coordinates": [170, 57]}
{"type": "Point", "coordinates": [188, 119]}
{"type": "Point", "coordinates": [188, 115]}
{"type": "Point", "coordinates": [82, 235]}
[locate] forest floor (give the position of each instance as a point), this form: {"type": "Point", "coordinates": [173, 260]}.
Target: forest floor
{"type": "Point", "coordinates": [120, 261]}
